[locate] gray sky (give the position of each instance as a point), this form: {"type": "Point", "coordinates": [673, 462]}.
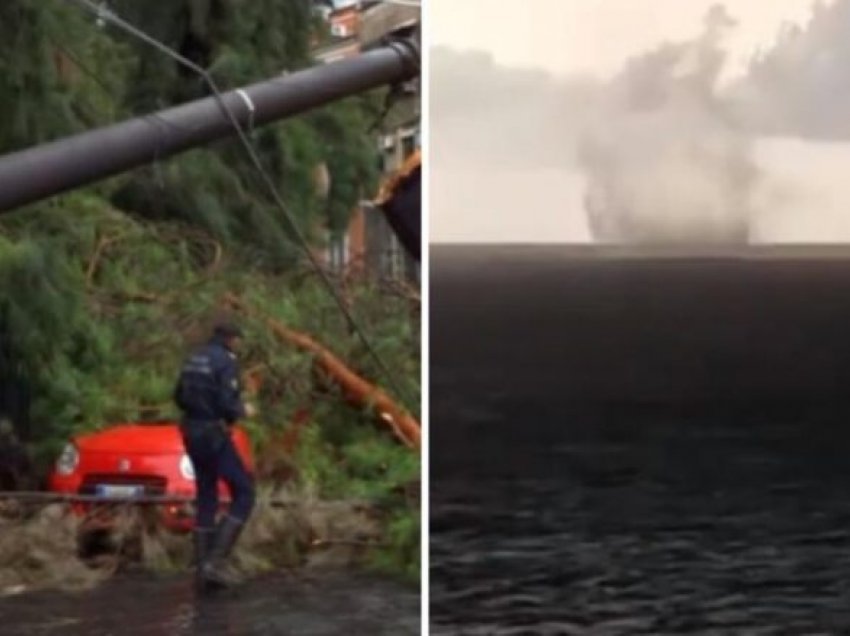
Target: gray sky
{"type": "Point", "coordinates": [564, 37]}
{"type": "Point", "coordinates": [568, 36]}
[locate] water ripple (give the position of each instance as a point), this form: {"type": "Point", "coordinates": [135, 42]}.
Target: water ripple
{"type": "Point", "coordinates": [663, 527]}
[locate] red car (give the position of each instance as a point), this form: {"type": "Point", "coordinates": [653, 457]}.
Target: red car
{"type": "Point", "coordinates": [127, 461]}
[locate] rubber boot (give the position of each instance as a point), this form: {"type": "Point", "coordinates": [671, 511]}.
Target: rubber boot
{"type": "Point", "coordinates": [203, 538]}
{"type": "Point", "coordinates": [214, 573]}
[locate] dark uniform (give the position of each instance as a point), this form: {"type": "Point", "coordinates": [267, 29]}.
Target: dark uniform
{"type": "Point", "coordinates": [15, 464]}
{"type": "Point", "coordinates": [208, 393]}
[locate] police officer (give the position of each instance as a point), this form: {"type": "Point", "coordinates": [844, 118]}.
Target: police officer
{"type": "Point", "coordinates": [208, 393]}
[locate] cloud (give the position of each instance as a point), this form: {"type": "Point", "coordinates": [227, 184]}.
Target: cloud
{"type": "Point", "coordinates": [490, 115]}
{"type": "Point", "coordinates": [800, 86]}
{"type": "Point", "coordinates": [665, 153]}
{"type": "Point", "coordinates": [662, 160]}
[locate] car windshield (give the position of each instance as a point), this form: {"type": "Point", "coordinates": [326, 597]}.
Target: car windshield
{"type": "Point", "coordinates": [156, 422]}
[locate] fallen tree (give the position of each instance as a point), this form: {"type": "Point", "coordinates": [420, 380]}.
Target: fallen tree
{"type": "Point", "coordinates": [357, 390]}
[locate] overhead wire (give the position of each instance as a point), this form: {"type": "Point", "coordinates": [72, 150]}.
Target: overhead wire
{"type": "Point", "coordinates": [106, 15]}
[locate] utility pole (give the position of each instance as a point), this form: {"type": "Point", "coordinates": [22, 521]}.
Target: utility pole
{"type": "Point", "coordinates": [43, 171]}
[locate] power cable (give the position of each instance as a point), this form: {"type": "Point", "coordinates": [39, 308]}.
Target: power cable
{"type": "Point", "coordinates": [105, 15]}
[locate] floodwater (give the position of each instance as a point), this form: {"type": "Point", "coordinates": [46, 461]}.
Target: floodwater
{"type": "Point", "coordinates": [306, 604]}
{"type": "Point", "coordinates": [639, 445]}
{"type": "Point", "coordinates": [641, 523]}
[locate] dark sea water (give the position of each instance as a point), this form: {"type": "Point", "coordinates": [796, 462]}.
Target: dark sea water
{"type": "Point", "coordinates": [570, 494]}
{"type": "Point", "coordinates": [640, 523]}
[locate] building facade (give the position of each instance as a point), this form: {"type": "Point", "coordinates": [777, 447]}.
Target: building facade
{"type": "Point", "coordinates": [369, 247]}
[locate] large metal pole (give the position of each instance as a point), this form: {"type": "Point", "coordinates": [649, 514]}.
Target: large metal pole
{"type": "Point", "coordinates": [48, 169]}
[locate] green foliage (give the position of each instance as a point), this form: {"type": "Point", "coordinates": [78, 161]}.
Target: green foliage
{"type": "Point", "coordinates": [401, 551]}
{"type": "Point", "coordinates": [44, 93]}
{"type": "Point", "coordinates": [61, 73]}
{"type": "Point", "coordinates": [349, 154]}
{"type": "Point", "coordinates": [90, 355]}
{"type": "Point", "coordinates": [102, 291]}
{"type": "Point", "coordinates": [344, 457]}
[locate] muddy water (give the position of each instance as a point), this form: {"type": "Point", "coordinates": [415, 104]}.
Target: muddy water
{"type": "Point", "coordinates": [311, 604]}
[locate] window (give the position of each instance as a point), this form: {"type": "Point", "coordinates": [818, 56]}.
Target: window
{"type": "Point", "coordinates": [340, 30]}
{"type": "Point", "coordinates": [338, 253]}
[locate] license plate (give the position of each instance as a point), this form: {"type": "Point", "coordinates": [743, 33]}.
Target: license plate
{"type": "Point", "coordinates": [119, 492]}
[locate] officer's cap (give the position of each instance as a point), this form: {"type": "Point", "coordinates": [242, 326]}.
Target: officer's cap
{"type": "Point", "coordinates": [227, 330]}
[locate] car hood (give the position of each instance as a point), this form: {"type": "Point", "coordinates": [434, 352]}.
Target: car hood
{"type": "Point", "coordinates": [135, 439]}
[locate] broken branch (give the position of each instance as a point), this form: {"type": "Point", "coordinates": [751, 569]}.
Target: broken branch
{"type": "Point", "coordinates": [356, 389]}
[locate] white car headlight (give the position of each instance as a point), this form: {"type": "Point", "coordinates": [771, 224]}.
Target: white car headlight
{"type": "Point", "coordinates": [68, 460]}
{"type": "Point", "coordinates": [186, 468]}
